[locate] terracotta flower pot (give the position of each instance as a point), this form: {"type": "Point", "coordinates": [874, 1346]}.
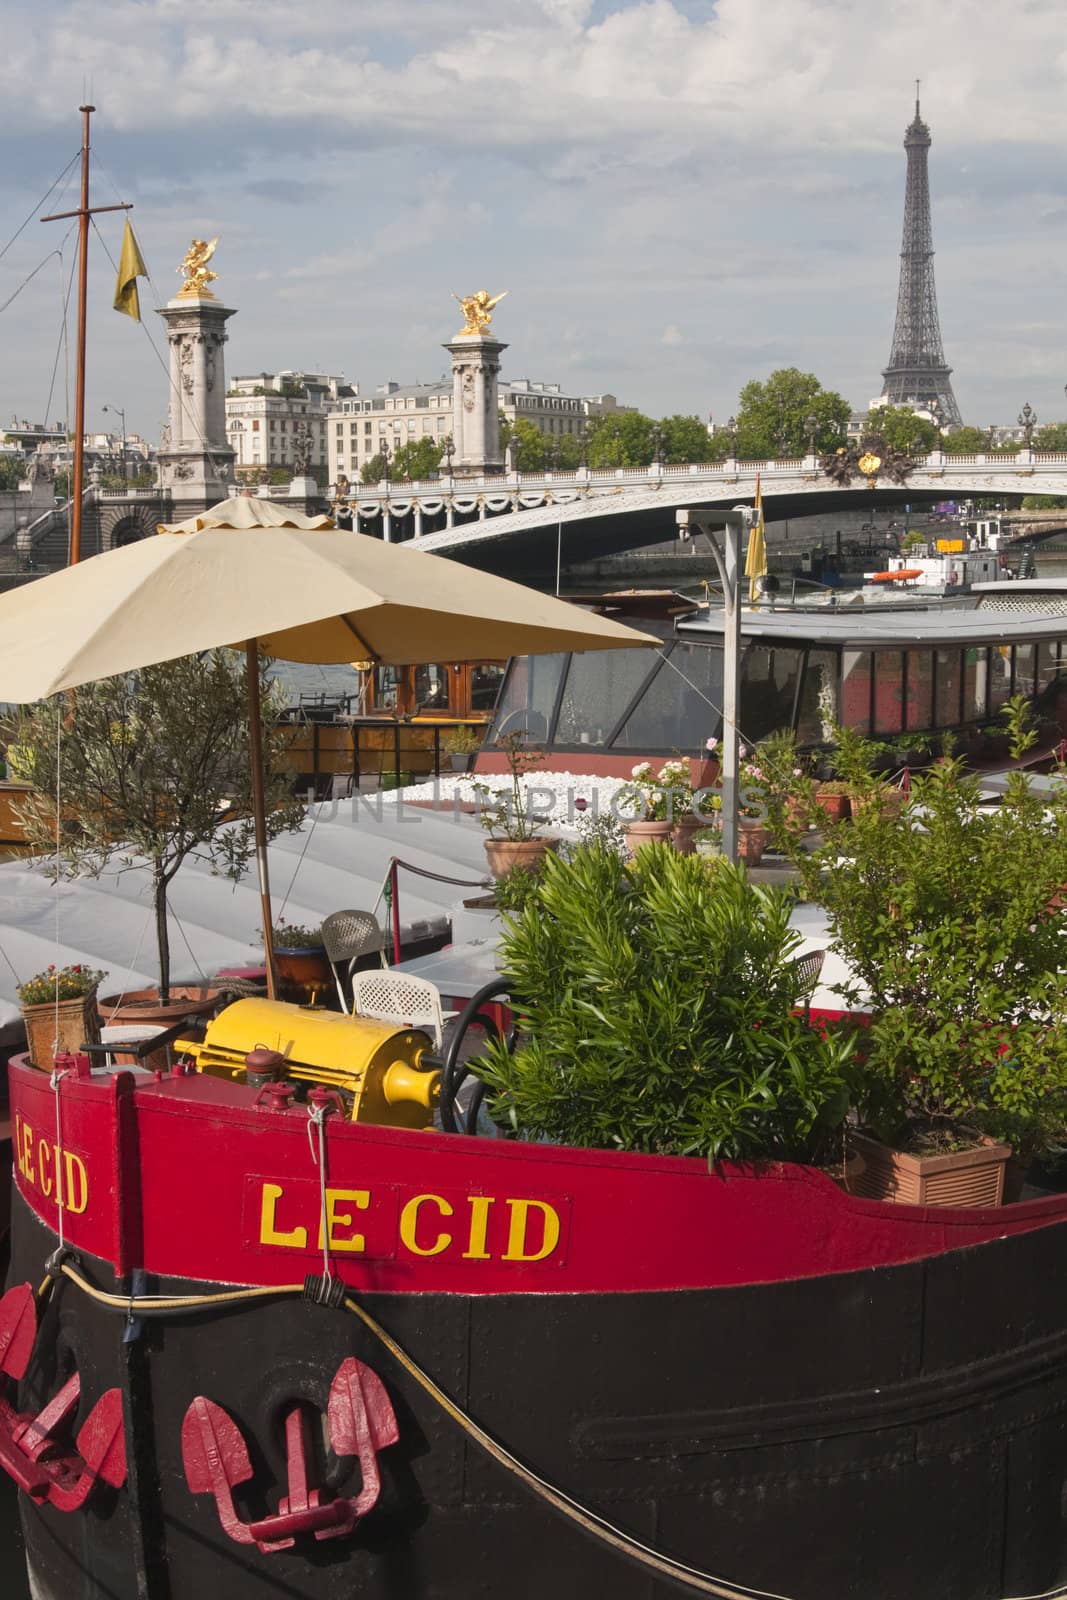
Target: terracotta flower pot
{"type": "Point", "coordinates": [960, 1178]}
{"type": "Point", "coordinates": [888, 801]}
{"type": "Point", "coordinates": [640, 833]}
{"type": "Point", "coordinates": [305, 965]}
{"type": "Point", "coordinates": [685, 830]}
{"type": "Point", "coordinates": [526, 854]}
{"type": "Point", "coordinates": [751, 842]}
{"type": "Point", "coordinates": [834, 805]}
{"type": "Point", "coordinates": [70, 1025]}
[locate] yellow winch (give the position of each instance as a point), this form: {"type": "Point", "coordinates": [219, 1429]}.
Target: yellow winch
{"type": "Point", "coordinates": [375, 1065]}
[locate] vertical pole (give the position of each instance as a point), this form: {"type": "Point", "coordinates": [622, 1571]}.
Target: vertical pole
{"type": "Point", "coordinates": [731, 664]}
{"type": "Point", "coordinates": [259, 810]}
{"type": "Point", "coordinates": [559, 552]}
{"type": "Point", "coordinates": [394, 885]}
{"type": "Point", "coordinates": [79, 377]}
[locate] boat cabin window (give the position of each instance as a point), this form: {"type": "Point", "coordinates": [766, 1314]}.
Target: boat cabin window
{"type": "Point", "coordinates": [1048, 664]}
{"type": "Point", "coordinates": [769, 681]}
{"type": "Point", "coordinates": [1000, 676]}
{"type": "Point", "coordinates": [1023, 676]}
{"type": "Point", "coordinates": [948, 688]}
{"type": "Point", "coordinates": [386, 688]}
{"type": "Point", "coordinates": [431, 687]}
{"type": "Point", "coordinates": [682, 706]}
{"type": "Point", "coordinates": [599, 688]}
{"type": "Point", "coordinates": [888, 668]}
{"type": "Point", "coordinates": [486, 678]}
{"type": "Point", "coordinates": [817, 710]}
{"type": "Point", "coordinates": [919, 689]}
{"type": "Point", "coordinates": [528, 699]}
{"type": "Point", "coordinates": [976, 683]}
{"type": "Point", "coordinates": [856, 689]}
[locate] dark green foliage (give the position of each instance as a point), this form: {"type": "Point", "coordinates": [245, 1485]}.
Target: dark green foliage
{"type": "Point", "coordinates": [772, 417]}
{"type": "Point", "coordinates": [656, 1011]}
{"type": "Point", "coordinates": [948, 915]}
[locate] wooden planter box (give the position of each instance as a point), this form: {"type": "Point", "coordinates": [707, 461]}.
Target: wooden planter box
{"type": "Point", "coordinates": [962, 1178]}
{"type": "Point", "coordinates": [73, 1023]}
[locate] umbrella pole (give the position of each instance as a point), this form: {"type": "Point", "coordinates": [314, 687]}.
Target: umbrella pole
{"type": "Point", "coordinates": [259, 810]}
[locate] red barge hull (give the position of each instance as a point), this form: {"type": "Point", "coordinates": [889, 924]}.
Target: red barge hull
{"type": "Point", "coordinates": [753, 1374]}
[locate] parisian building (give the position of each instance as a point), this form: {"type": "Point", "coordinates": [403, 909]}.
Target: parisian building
{"type": "Point", "coordinates": [265, 412]}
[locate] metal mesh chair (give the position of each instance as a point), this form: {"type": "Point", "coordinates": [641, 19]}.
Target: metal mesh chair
{"type": "Point", "coordinates": [348, 935]}
{"type": "Point", "coordinates": [392, 996]}
{"type": "Point", "coordinates": [808, 970]}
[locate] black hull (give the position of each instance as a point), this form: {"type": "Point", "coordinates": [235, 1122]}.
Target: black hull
{"type": "Point", "coordinates": [877, 1435]}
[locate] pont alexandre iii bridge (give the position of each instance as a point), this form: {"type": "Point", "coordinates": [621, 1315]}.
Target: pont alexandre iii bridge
{"type": "Point", "coordinates": [513, 523]}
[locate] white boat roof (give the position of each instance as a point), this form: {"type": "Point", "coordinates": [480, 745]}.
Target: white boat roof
{"type": "Point", "coordinates": [860, 628]}
{"type": "Point", "coordinates": [108, 921]}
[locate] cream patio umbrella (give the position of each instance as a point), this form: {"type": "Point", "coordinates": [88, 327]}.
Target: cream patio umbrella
{"type": "Point", "coordinates": [251, 575]}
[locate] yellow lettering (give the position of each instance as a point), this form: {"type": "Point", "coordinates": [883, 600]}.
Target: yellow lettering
{"type": "Point", "coordinates": [479, 1204]}
{"type": "Point", "coordinates": [409, 1221]}
{"type": "Point", "coordinates": [360, 1198]}
{"type": "Point", "coordinates": [18, 1144]}
{"type": "Point", "coordinates": [268, 1232]}
{"type": "Point", "coordinates": [517, 1241]}
{"type": "Point", "coordinates": [27, 1147]}
{"type": "Point", "coordinates": [44, 1153]}
{"type": "Point", "coordinates": [76, 1188]}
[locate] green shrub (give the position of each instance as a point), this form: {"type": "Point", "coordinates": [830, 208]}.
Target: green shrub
{"type": "Point", "coordinates": [948, 915]}
{"type": "Point", "coordinates": [656, 1014]}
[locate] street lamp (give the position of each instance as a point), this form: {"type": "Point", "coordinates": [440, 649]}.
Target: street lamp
{"type": "Point", "coordinates": [120, 413]}
{"type": "Point", "coordinates": [811, 422]}
{"type": "Point", "coordinates": [448, 450]}
{"type": "Point", "coordinates": [731, 434]}
{"type": "Point", "coordinates": [384, 453]}
{"type": "Point", "coordinates": [657, 445]}
{"type": "Point", "coordinates": [583, 448]}
{"type": "Point", "coordinates": [1027, 422]}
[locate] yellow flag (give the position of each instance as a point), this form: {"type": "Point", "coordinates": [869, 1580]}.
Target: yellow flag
{"type": "Point", "coordinates": [131, 267]}
{"type": "Point", "coordinates": [756, 557]}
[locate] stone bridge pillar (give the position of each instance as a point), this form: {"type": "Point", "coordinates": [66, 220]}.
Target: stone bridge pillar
{"type": "Point", "coordinates": [475, 417]}
{"type": "Point", "coordinates": [195, 461]}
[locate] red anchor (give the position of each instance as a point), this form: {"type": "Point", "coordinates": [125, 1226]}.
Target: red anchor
{"type": "Point", "coordinates": [361, 1422]}
{"type": "Point", "coordinates": [39, 1463]}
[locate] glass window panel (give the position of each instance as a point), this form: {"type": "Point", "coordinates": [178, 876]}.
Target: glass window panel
{"type": "Point", "coordinates": [888, 691]}
{"type": "Point", "coordinates": [768, 691]}
{"type": "Point", "coordinates": [431, 687]}
{"type": "Point", "coordinates": [976, 684]}
{"type": "Point", "coordinates": [999, 677]}
{"type": "Point", "coordinates": [856, 690]}
{"type": "Point", "coordinates": [485, 685]}
{"type": "Point", "coordinates": [1025, 667]}
{"type": "Point", "coordinates": [673, 714]}
{"type": "Point", "coordinates": [528, 698]}
{"type": "Point", "coordinates": [817, 712]}
{"type": "Point", "coordinates": [385, 688]}
{"type": "Point", "coordinates": [947, 708]}
{"type": "Point", "coordinates": [1048, 668]}
{"type": "Point", "coordinates": [919, 706]}
{"type": "Point", "coordinates": [600, 685]}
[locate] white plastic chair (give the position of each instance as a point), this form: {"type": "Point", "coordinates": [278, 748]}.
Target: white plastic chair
{"type": "Point", "coordinates": [348, 936]}
{"type": "Point", "coordinates": [399, 997]}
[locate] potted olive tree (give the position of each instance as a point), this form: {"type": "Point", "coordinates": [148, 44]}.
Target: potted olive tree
{"type": "Point", "coordinates": [949, 918]}
{"type": "Point", "coordinates": [153, 767]}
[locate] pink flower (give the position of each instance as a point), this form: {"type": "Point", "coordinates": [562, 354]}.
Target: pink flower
{"type": "Point", "coordinates": [711, 744]}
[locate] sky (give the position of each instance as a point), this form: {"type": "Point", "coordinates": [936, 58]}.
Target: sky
{"type": "Point", "coordinates": [678, 195]}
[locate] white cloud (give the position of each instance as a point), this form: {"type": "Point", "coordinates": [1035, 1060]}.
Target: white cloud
{"type": "Point", "coordinates": [671, 335]}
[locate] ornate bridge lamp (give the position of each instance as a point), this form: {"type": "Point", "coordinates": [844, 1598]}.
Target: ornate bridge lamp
{"type": "Point", "coordinates": [657, 447]}
{"type": "Point", "coordinates": [448, 450]}
{"type": "Point", "coordinates": [1027, 422]}
{"type": "Point", "coordinates": [583, 448]}
{"type": "Point", "coordinates": [731, 436]}
{"type": "Point", "coordinates": [811, 423]}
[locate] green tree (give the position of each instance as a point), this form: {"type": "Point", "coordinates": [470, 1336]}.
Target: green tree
{"type": "Point", "coordinates": [155, 767]}
{"type": "Point", "coordinates": [373, 471]}
{"type": "Point", "coordinates": [966, 441]}
{"type": "Point", "coordinates": [529, 443]}
{"type": "Point", "coordinates": [1043, 502]}
{"type": "Point", "coordinates": [12, 471]}
{"type": "Point", "coordinates": [903, 430]}
{"type": "Point", "coordinates": [1051, 437]}
{"type": "Point", "coordinates": [417, 459]}
{"type": "Point", "coordinates": [686, 439]}
{"type": "Point", "coordinates": [772, 417]}
{"type": "Point", "coordinates": [621, 439]}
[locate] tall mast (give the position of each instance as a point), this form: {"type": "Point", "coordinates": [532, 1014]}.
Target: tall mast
{"type": "Point", "coordinates": [83, 213]}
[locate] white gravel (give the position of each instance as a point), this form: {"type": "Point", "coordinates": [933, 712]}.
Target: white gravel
{"type": "Point", "coordinates": [559, 798]}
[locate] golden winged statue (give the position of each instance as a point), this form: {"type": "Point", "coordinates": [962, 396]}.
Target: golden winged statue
{"type": "Point", "coordinates": [196, 270]}
{"type": "Point", "coordinates": [477, 310]}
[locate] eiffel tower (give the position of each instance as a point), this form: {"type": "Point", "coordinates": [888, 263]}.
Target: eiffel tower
{"type": "Point", "coordinates": [917, 374]}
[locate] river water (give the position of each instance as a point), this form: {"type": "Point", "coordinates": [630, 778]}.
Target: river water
{"type": "Point", "coordinates": [307, 680]}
